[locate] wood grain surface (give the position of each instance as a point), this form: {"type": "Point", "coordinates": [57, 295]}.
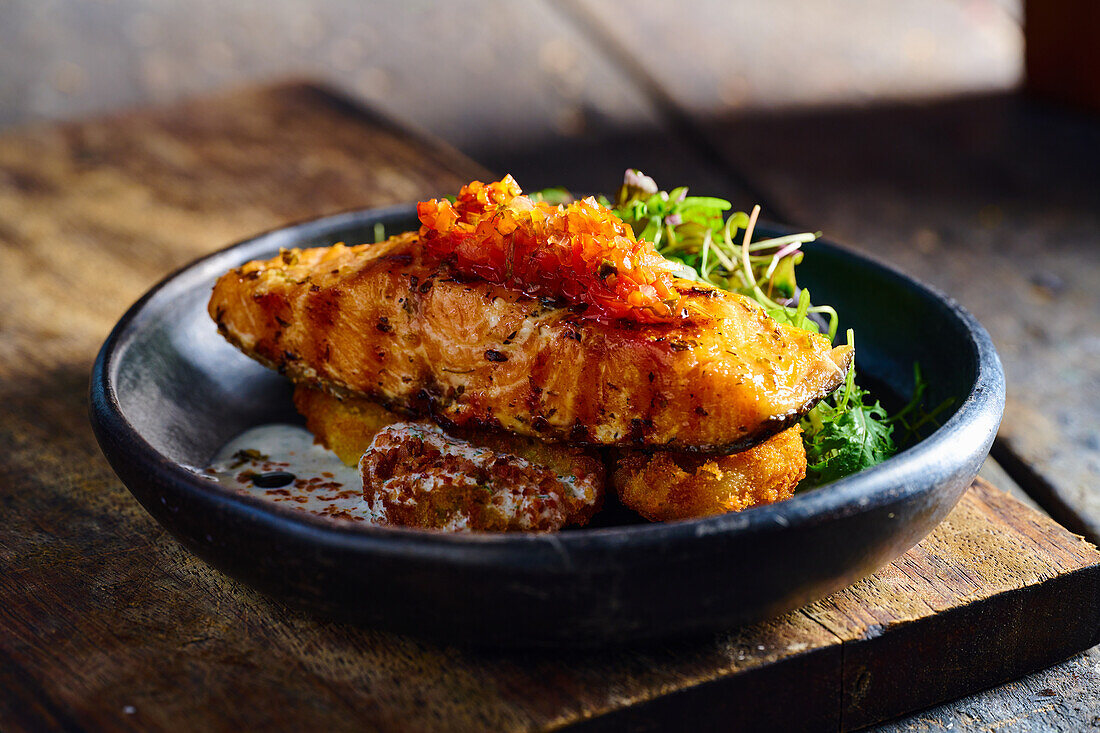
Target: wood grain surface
{"type": "Point", "coordinates": [108, 623]}
{"type": "Point", "coordinates": [482, 73]}
{"type": "Point", "coordinates": [472, 72]}
{"type": "Point", "coordinates": [714, 56]}
{"type": "Point", "coordinates": [1060, 699]}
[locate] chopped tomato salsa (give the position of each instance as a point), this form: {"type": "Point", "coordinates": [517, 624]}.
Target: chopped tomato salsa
{"type": "Point", "coordinates": [580, 252]}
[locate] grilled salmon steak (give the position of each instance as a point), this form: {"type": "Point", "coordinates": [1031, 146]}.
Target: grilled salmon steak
{"type": "Point", "coordinates": [386, 322]}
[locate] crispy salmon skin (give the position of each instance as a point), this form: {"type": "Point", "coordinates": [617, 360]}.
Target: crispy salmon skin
{"type": "Point", "coordinates": [380, 321]}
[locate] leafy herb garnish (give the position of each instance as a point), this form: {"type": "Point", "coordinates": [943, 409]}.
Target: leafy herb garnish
{"type": "Point", "coordinates": [845, 433]}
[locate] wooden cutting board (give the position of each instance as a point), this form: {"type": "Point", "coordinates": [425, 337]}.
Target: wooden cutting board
{"type": "Point", "coordinates": [107, 623]}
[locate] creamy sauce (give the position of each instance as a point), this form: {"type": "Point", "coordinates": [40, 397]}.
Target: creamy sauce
{"type": "Point", "coordinates": [321, 484]}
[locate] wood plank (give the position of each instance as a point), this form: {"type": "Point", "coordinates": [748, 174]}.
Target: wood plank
{"type": "Point", "coordinates": [476, 72]}
{"type": "Point", "coordinates": [109, 623]}
{"type": "Point", "coordinates": [994, 200]}
{"type": "Point", "coordinates": [492, 78]}
{"type": "Point", "coordinates": [928, 606]}
{"type": "Point", "coordinates": [1061, 698]}
{"type": "Point", "coordinates": [713, 57]}
{"type": "Point", "coordinates": [147, 192]}
{"type": "Point", "coordinates": [974, 609]}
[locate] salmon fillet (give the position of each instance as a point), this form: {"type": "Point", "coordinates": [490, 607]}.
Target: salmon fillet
{"type": "Point", "coordinates": [379, 321]}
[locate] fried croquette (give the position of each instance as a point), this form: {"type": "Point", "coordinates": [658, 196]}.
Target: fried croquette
{"type": "Point", "coordinates": [666, 486]}
{"type": "Point", "coordinates": [344, 426]}
{"type": "Point", "coordinates": [415, 475]}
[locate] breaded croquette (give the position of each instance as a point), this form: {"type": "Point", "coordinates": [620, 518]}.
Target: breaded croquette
{"type": "Point", "coordinates": [415, 475]}
{"type": "Point", "coordinates": [664, 486]}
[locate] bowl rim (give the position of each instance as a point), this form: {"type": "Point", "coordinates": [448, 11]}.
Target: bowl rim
{"type": "Point", "coordinates": [976, 419]}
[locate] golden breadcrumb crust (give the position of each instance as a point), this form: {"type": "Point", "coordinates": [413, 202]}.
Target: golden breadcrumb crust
{"type": "Point", "coordinates": [416, 475]}
{"type": "Point", "coordinates": [666, 486]}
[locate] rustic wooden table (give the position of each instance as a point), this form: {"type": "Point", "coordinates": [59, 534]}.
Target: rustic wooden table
{"type": "Point", "coordinates": [107, 623]}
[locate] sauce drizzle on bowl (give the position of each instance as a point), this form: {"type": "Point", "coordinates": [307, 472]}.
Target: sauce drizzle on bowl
{"type": "Point", "coordinates": [281, 463]}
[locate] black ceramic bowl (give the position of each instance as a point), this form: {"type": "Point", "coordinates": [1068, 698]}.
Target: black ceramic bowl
{"type": "Point", "coordinates": [167, 392]}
